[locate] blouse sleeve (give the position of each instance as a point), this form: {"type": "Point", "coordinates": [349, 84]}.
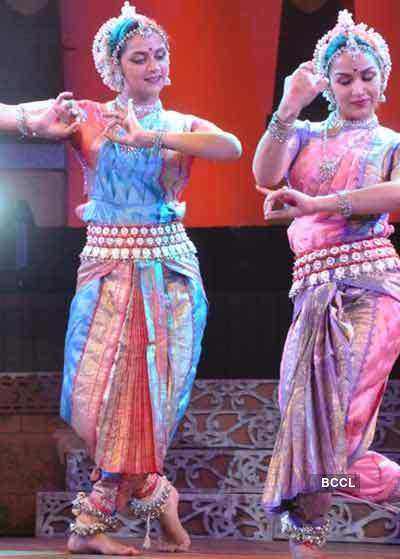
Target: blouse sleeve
{"type": "Point", "coordinates": [176, 166]}
{"type": "Point", "coordinates": [395, 164]}
{"type": "Point", "coordinates": [297, 142]}
{"type": "Point", "coordinates": [77, 138]}
{"type": "Point", "coordinates": [85, 140]}
{"type": "Point", "coordinates": [298, 139]}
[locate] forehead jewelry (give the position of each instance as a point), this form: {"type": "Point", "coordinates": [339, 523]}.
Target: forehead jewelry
{"type": "Point", "coordinates": [106, 54]}
{"type": "Point", "coordinates": [358, 39]}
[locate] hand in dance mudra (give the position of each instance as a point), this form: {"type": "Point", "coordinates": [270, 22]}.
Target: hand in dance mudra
{"type": "Point", "coordinates": [286, 204]}
{"type": "Point", "coordinates": [135, 135]}
{"type": "Point", "coordinates": [301, 88]}
{"type": "Point", "coordinates": [58, 120]}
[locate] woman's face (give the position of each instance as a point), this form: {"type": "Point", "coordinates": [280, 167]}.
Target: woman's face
{"type": "Point", "coordinates": [356, 84]}
{"type": "Point", "coordinates": [145, 67]}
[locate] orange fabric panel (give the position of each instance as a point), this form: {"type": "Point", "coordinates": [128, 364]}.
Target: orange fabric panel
{"type": "Point", "coordinates": [223, 69]}
{"type": "Point", "coordinates": [383, 16]}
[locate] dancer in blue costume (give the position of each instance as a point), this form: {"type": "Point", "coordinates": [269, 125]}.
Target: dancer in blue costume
{"type": "Point", "coordinates": [137, 319]}
{"type": "Point", "coordinates": [138, 316]}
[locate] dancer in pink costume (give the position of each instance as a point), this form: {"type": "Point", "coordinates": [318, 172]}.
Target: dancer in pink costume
{"type": "Point", "coordinates": [345, 334]}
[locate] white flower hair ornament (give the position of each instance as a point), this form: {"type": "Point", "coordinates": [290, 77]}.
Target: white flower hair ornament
{"type": "Point", "coordinates": [111, 38]}
{"type": "Point", "coordinates": [347, 36]}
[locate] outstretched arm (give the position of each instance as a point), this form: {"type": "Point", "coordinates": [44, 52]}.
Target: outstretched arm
{"type": "Point", "coordinates": [54, 119]}
{"type": "Point", "coordinates": [205, 140]}
{"type": "Point", "coordinates": [381, 198]}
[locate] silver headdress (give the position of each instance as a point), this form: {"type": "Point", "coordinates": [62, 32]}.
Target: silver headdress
{"type": "Point", "coordinates": [106, 52]}
{"type": "Point", "coordinates": [358, 38]}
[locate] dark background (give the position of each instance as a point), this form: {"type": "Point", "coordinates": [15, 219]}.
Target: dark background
{"type": "Point", "coordinates": [246, 272]}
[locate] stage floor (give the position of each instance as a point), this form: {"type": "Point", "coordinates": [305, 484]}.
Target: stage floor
{"type": "Point", "coordinates": [37, 548]}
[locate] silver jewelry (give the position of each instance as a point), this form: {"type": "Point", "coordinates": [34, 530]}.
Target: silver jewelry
{"type": "Point", "coordinates": [369, 41]}
{"type": "Point", "coordinates": [83, 529]}
{"type": "Point", "coordinates": [140, 110]}
{"type": "Point", "coordinates": [344, 205]}
{"type": "Point", "coordinates": [328, 167]}
{"type": "Point", "coordinates": [106, 55]}
{"type": "Point", "coordinates": [314, 535]}
{"type": "Point", "coordinates": [280, 130]}
{"type": "Point", "coordinates": [367, 123]}
{"type": "Point", "coordinates": [159, 140]}
{"type": "Point", "coordinates": [22, 123]}
{"type": "Point", "coordinates": [329, 96]}
{"type": "Point", "coordinates": [151, 507]}
{"type": "Point", "coordinates": [81, 505]}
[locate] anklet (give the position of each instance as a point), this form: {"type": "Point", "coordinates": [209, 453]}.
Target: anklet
{"type": "Point", "coordinates": [81, 505]}
{"type": "Point", "coordinates": [307, 534]}
{"type": "Point", "coordinates": [81, 529]}
{"type": "Point", "coordinates": [152, 506]}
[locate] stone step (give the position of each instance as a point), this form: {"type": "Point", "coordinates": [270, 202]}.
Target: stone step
{"type": "Point", "coordinates": [244, 413]}
{"type": "Point", "coordinates": [196, 470]}
{"type": "Point", "coordinates": [240, 413]}
{"type": "Point", "coordinates": [192, 471]}
{"type": "Point", "coordinates": [232, 516]}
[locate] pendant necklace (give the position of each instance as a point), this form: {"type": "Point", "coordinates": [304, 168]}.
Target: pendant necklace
{"type": "Point", "coordinates": [333, 125]}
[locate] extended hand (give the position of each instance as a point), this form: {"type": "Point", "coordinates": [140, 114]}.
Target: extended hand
{"type": "Point", "coordinates": [295, 204]}
{"type": "Point", "coordinates": [61, 119]}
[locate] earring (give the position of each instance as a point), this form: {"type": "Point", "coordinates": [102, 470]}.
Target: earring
{"type": "Point", "coordinates": [382, 98]}
{"type": "Point", "coordinates": [328, 94]}
{"type": "Point", "coordinates": [167, 81]}
{"type": "Point", "coordinates": [332, 106]}
{"type": "Point", "coordinates": [119, 81]}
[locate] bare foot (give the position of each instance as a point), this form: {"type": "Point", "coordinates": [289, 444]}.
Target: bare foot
{"type": "Point", "coordinates": [306, 551]}
{"type": "Point", "coordinates": [174, 538]}
{"type": "Point", "coordinates": [99, 543]}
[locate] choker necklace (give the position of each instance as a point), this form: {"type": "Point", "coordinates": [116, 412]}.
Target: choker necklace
{"type": "Point", "coordinates": [140, 110]}
{"type": "Point", "coordinates": [335, 121]}
{"type": "Point", "coordinates": [328, 167]}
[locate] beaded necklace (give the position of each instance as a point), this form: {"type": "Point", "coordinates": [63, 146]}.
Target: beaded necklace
{"type": "Point", "coordinates": [334, 124]}
{"type": "Point", "coordinates": [140, 110]}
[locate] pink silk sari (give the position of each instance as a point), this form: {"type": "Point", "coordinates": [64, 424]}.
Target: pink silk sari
{"type": "Point", "coordinates": [345, 335]}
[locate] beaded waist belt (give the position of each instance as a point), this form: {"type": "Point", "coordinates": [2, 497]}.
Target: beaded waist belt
{"type": "Point", "coordinates": [137, 242]}
{"type": "Point", "coordinates": [337, 262]}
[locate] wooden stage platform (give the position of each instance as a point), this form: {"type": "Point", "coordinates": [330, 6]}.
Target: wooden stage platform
{"type": "Point", "coordinates": [38, 548]}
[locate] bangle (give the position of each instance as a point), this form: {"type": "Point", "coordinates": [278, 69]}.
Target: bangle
{"type": "Point", "coordinates": [344, 205]}
{"type": "Point", "coordinates": [280, 130]}
{"type": "Point", "coordinates": [22, 123]}
{"type": "Point", "coordinates": [158, 142]}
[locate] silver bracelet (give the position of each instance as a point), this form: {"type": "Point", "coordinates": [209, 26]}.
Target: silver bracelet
{"type": "Point", "coordinates": [280, 130]}
{"type": "Point", "coordinates": [344, 205]}
{"type": "Point", "coordinates": [158, 143]}
{"type": "Point", "coordinates": [22, 122]}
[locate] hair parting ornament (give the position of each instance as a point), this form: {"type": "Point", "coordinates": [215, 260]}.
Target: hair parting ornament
{"type": "Point", "coordinates": [111, 39]}
{"type": "Point", "coordinates": [353, 39]}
